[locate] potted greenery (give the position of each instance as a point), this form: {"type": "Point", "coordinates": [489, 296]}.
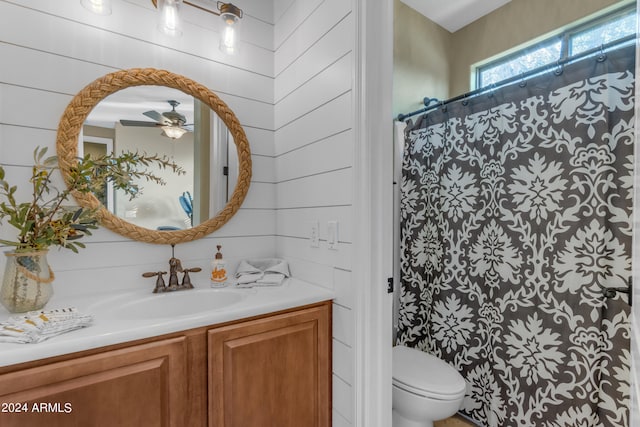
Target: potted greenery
{"type": "Point", "coordinates": [47, 220]}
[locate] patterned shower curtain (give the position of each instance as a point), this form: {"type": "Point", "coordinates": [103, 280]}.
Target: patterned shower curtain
{"type": "Point", "coordinates": [515, 214]}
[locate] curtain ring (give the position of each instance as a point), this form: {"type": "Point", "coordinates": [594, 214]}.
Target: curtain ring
{"type": "Point", "coordinates": [523, 82]}
{"type": "Point", "coordinates": [492, 88]}
{"type": "Point", "coordinates": [602, 56]}
{"type": "Point", "coordinates": [443, 106]}
{"type": "Point", "coordinates": [426, 101]}
{"type": "Point", "coordinates": [465, 100]}
{"type": "Point", "coordinates": [559, 69]}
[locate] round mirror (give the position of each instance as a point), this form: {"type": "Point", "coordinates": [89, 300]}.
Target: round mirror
{"type": "Point", "coordinates": [158, 112]}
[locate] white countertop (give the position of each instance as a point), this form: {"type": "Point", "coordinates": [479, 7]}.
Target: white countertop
{"type": "Point", "coordinates": [112, 325]}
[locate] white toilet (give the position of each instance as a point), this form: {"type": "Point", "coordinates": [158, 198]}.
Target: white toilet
{"type": "Point", "coordinates": [425, 388]}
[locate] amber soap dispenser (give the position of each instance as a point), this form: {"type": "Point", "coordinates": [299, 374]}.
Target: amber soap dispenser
{"type": "Point", "coordinates": [218, 270]}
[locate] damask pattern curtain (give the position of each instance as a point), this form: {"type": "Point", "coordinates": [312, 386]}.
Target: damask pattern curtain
{"type": "Point", "coordinates": [516, 212]}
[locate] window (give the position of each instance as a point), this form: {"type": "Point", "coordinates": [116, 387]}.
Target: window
{"type": "Point", "coordinates": [573, 41]}
{"type": "Point", "coordinates": [615, 28]}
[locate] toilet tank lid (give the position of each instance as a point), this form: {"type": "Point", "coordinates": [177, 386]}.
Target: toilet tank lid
{"type": "Point", "coordinates": [421, 371]}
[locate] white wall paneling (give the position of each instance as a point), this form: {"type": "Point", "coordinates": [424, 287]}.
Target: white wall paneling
{"type": "Point", "coordinates": [332, 188]}
{"type": "Point", "coordinates": [262, 168]}
{"type": "Point", "coordinates": [291, 86]}
{"type": "Point", "coordinates": [342, 353]}
{"type": "Point", "coordinates": [331, 47]}
{"type": "Point", "coordinates": [311, 271]}
{"type": "Point", "coordinates": [280, 7]}
{"type": "Point", "coordinates": [295, 248]}
{"type": "Point", "coordinates": [343, 399]}
{"type": "Point", "coordinates": [261, 195]}
{"type": "Point", "coordinates": [328, 119]}
{"type": "Point", "coordinates": [334, 152]}
{"type": "Point", "coordinates": [342, 325]}
{"type": "Point", "coordinates": [307, 29]}
{"type": "Point", "coordinates": [35, 108]}
{"type": "Point", "coordinates": [250, 112]}
{"type": "Point", "coordinates": [260, 140]}
{"type": "Point", "coordinates": [86, 273]}
{"type": "Point", "coordinates": [296, 12]}
{"type": "Point", "coordinates": [133, 22]}
{"type": "Point", "coordinates": [293, 222]}
{"type": "Point", "coordinates": [340, 421]}
{"type": "Point", "coordinates": [345, 295]}
{"type": "Point", "coordinates": [314, 158]}
{"type": "Point", "coordinates": [29, 139]}
{"type": "Point", "coordinates": [331, 82]}
{"type": "Point", "coordinates": [33, 61]}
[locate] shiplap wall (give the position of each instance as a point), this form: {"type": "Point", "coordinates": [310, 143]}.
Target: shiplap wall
{"type": "Point", "coordinates": [290, 86]}
{"type": "Point", "coordinates": [51, 49]}
{"type": "Point", "coordinates": [314, 156]}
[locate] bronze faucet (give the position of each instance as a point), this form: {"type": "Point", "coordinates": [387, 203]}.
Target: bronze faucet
{"type": "Point", "coordinates": [175, 266]}
{"type": "Point", "coordinates": [160, 286]}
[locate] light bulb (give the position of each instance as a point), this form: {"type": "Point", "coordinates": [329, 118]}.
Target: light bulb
{"type": "Point", "coordinates": [169, 12]}
{"type": "Point", "coordinates": [228, 40]}
{"type": "Point", "coordinates": [99, 7]}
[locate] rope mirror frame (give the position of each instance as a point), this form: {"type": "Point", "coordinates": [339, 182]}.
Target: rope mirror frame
{"type": "Point", "coordinates": [76, 113]}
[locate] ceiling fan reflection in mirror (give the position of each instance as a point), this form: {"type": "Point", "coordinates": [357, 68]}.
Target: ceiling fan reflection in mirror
{"type": "Point", "coordinates": [173, 124]}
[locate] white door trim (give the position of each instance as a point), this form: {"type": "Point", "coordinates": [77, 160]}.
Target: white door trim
{"type": "Point", "coordinates": [373, 210]}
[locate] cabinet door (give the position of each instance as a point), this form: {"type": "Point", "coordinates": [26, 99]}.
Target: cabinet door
{"type": "Point", "coordinates": [272, 372]}
{"type": "Point", "coordinates": [143, 385]}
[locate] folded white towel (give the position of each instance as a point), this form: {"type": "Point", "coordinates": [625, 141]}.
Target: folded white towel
{"type": "Point", "coordinates": [271, 279]}
{"type": "Point", "coordinates": [249, 278]}
{"type": "Point", "coordinates": [261, 272]}
{"type": "Point", "coordinates": [263, 265]}
{"type": "Point", "coordinates": [37, 326]}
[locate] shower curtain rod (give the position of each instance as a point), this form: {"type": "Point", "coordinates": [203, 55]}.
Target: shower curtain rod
{"type": "Point", "coordinates": [521, 77]}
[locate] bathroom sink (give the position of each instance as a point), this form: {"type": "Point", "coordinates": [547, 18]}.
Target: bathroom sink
{"type": "Point", "coordinates": [175, 304]}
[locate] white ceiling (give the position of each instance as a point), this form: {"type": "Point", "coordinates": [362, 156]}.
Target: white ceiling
{"type": "Point", "coordinates": [130, 103]}
{"type": "Point", "coordinates": [454, 14]}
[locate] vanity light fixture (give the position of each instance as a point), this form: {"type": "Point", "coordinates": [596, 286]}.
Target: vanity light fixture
{"type": "Point", "coordinates": [173, 132]}
{"type": "Point", "coordinates": [99, 7]}
{"type": "Point", "coordinates": [168, 11]}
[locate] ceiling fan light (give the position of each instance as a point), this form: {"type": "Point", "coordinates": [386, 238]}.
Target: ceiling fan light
{"type": "Point", "coordinates": [99, 7]}
{"type": "Point", "coordinates": [169, 17]}
{"type": "Point", "coordinates": [173, 132]}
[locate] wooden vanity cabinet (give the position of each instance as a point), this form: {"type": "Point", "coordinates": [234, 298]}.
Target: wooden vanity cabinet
{"type": "Point", "coordinates": [141, 385]}
{"type": "Point", "coordinates": [269, 371]}
{"type": "Point", "coordinates": [272, 372]}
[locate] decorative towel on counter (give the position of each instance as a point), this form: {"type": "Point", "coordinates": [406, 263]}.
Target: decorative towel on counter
{"type": "Point", "coordinates": [37, 326]}
{"type": "Point", "coordinates": [261, 272]}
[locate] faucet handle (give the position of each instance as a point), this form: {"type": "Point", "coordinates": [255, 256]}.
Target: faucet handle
{"type": "Point", "coordinates": [160, 286]}
{"type": "Point", "coordinates": [186, 280]}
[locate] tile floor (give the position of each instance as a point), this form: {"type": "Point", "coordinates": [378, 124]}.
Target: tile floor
{"type": "Point", "coordinates": [455, 421]}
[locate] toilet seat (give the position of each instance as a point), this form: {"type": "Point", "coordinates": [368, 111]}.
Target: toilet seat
{"type": "Point", "coordinates": [425, 375]}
